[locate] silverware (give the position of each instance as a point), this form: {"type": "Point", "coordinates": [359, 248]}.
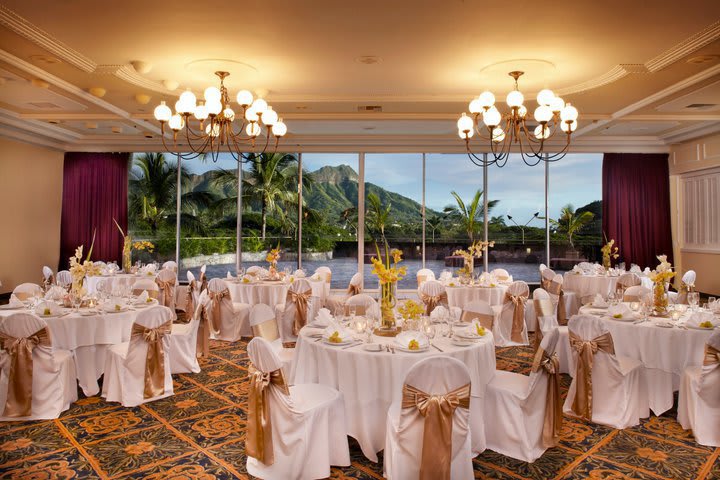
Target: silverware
{"type": "Point", "coordinates": [392, 349]}
{"type": "Point", "coordinates": [437, 348]}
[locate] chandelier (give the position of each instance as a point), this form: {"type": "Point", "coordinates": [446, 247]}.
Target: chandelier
{"type": "Point", "coordinates": [220, 128]}
{"type": "Point", "coordinates": [502, 131]}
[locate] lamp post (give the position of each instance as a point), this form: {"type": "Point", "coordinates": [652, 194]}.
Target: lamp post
{"type": "Point", "coordinates": [522, 227]}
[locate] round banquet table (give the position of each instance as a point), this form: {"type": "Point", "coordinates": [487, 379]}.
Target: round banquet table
{"type": "Point", "coordinates": [372, 381]}
{"type": "Point", "coordinates": [665, 352]}
{"type": "Point", "coordinates": [87, 336]}
{"type": "Point", "coordinates": [268, 292]}
{"type": "Point", "coordinates": [461, 295]}
{"type": "Point", "coordinates": [591, 285]}
{"type": "Point", "coordinates": [124, 279]}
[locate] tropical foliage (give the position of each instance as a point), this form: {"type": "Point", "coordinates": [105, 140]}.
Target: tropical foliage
{"type": "Point", "coordinates": [469, 215]}
{"type": "Point", "coordinates": [572, 222]}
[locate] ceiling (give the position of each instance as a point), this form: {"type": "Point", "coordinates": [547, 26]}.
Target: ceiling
{"type": "Point", "coordinates": [86, 75]}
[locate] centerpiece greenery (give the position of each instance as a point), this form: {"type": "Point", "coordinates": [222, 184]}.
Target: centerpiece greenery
{"type": "Point", "coordinates": [609, 252]}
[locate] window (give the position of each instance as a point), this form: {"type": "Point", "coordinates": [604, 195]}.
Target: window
{"type": "Point", "coordinates": [700, 211]}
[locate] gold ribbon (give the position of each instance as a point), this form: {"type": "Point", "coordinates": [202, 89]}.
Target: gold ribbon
{"type": "Point", "coordinates": [712, 356]}
{"type": "Point", "coordinates": [155, 357]}
{"type": "Point", "coordinates": [166, 287]}
{"type": "Point", "coordinates": [151, 293]}
{"type": "Point", "coordinates": [203, 337]}
{"type": "Point", "coordinates": [203, 282]}
{"type": "Point", "coordinates": [354, 290]}
{"type": "Point", "coordinates": [327, 276]}
{"type": "Point", "coordinates": [432, 301]}
{"type": "Point", "coordinates": [556, 289]}
{"type": "Point", "coordinates": [47, 282]}
{"type": "Point", "coordinates": [217, 298]}
{"type": "Point", "coordinates": [486, 320]}
{"type": "Point", "coordinates": [518, 321]}
{"type": "Point", "coordinates": [258, 442]}
{"type": "Point", "coordinates": [20, 378]}
{"type": "Point", "coordinates": [438, 411]}
{"type": "Point", "coordinates": [586, 349]}
{"type": "Point", "coordinates": [552, 425]}
{"type": "Point", "coordinates": [543, 308]}
{"type": "Point", "coordinates": [190, 301]}
{"type": "Point", "coordinates": [267, 330]}
{"type": "Point", "coordinates": [360, 310]}
{"type": "Point", "coordinates": [544, 283]}
{"type": "Point", "coordinates": [300, 299]}
{"type": "Point", "coordinates": [683, 292]}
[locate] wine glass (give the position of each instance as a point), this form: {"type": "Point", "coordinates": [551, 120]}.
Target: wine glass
{"type": "Point", "coordinates": [693, 300]}
{"type": "Point", "coordinates": [612, 298]}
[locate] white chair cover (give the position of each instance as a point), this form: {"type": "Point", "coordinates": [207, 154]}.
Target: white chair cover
{"type": "Point", "coordinates": [308, 426]}
{"type": "Point", "coordinates": [203, 279]}
{"type": "Point", "coordinates": [406, 426]}
{"type": "Point", "coordinates": [48, 277]}
{"type": "Point", "coordinates": [288, 314]}
{"type": "Point", "coordinates": [334, 302]}
{"type": "Point", "coordinates": [570, 300]}
{"type": "Point", "coordinates": [234, 318]}
{"type": "Point", "coordinates": [324, 273]}
{"type": "Point", "coordinates": [54, 386]}
{"type": "Point", "coordinates": [364, 305]}
{"type": "Point", "coordinates": [635, 294]}
{"type": "Point", "coordinates": [170, 265]}
{"type": "Point", "coordinates": [546, 276]}
{"type": "Point", "coordinates": [686, 284]}
{"type": "Point", "coordinates": [167, 282]}
{"type": "Point", "coordinates": [193, 293]}
{"type": "Point", "coordinates": [433, 294]}
{"type": "Point", "coordinates": [548, 323]}
{"type": "Point", "coordinates": [27, 290]}
{"type": "Point", "coordinates": [699, 398]}
{"type": "Point", "coordinates": [64, 278]}
{"type": "Point", "coordinates": [423, 275]}
{"type": "Point", "coordinates": [501, 275]}
{"type": "Point", "coordinates": [626, 280]}
{"type": "Point", "coordinates": [619, 391]}
{"type": "Point", "coordinates": [125, 365]}
{"type": "Point", "coordinates": [254, 270]}
{"type": "Point", "coordinates": [503, 330]}
{"type": "Point", "coordinates": [264, 324]}
{"type": "Point", "coordinates": [518, 407]}
{"type": "Point", "coordinates": [183, 345]}
{"type": "Point", "coordinates": [481, 310]}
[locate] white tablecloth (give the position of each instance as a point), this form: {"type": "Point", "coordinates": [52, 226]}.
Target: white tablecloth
{"type": "Point", "coordinates": [269, 293]}
{"type": "Point", "coordinates": [371, 381]}
{"type": "Point", "coordinates": [461, 295]}
{"type": "Point", "coordinates": [591, 285]}
{"type": "Point", "coordinates": [88, 338]}
{"type": "Point", "coordinates": [129, 279]}
{"type": "Point", "coordinates": [665, 352]}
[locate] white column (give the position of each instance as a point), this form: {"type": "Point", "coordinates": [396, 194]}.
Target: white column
{"type": "Point", "coordinates": [300, 211]}
{"type": "Point", "coordinates": [423, 210]}
{"type": "Point", "coordinates": [177, 210]}
{"type": "Point", "coordinates": [238, 219]}
{"type": "Point", "coordinates": [485, 212]}
{"type": "Point", "coordinates": [361, 216]}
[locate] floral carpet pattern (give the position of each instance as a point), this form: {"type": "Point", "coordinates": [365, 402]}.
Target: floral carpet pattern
{"type": "Point", "coordinates": [199, 434]}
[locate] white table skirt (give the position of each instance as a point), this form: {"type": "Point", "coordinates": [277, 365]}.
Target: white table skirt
{"type": "Point", "coordinates": [88, 338]}
{"type": "Point", "coordinates": [665, 353]}
{"type": "Point", "coordinates": [128, 279]}
{"type": "Point", "coordinates": [460, 296]}
{"type": "Point", "coordinates": [591, 285]}
{"type": "Point", "coordinates": [269, 293]}
{"type": "Point", "coordinates": [371, 381]}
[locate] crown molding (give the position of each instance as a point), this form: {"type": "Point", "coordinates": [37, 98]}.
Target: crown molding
{"type": "Point", "coordinates": [685, 48]}
{"type": "Point", "coordinates": [37, 140]}
{"type": "Point", "coordinates": [128, 74]}
{"type": "Point", "coordinates": [683, 136]}
{"type": "Point", "coordinates": [37, 127]}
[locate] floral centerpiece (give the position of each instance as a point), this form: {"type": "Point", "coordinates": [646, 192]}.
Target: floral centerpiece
{"type": "Point", "coordinates": [660, 277]}
{"type": "Point", "coordinates": [129, 246]}
{"type": "Point", "coordinates": [475, 250]}
{"type": "Point", "coordinates": [272, 258]}
{"type": "Point", "coordinates": [388, 273]}
{"type": "Point", "coordinates": [80, 268]}
{"type": "Point", "coordinates": [609, 252]}
{"type": "Point", "coordinates": [411, 312]}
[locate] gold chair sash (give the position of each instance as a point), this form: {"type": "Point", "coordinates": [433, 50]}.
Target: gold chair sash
{"type": "Point", "coordinates": [712, 356]}
{"type": "Point", "coordinates": [267, 330]}
{"type": "Point", "coordinates": [167, 289]}
{"type": "Point", "coordinates": [258, 443]}
{"type": "Point", "coordinates": [203, 337]}
{"type": "Point", "coordinates": [190, 300]}
{"type": "Point", "coordinates": [300, 299]}
{"type": "Point", "coordinates": [544, 282]}
{"type": "Point", "coordinates": [552, 425]}
{"type": "Point", "coordinates": [151, 293]}
{"type": "Point", "coordinates": [556, 289]}
{"type": "Point", "coordinates": [327, 276]}
{"type": "Point", "coordinates": [217, 298]}
{"type": "Point", "coordinates": [586, 350]}
{"type": "Point", "coordinates": [155, 357]}
{"type": "Point", "coordinates": [47, 282]}
{"type": "Point", "coordinates": [485, 319]}
{"type": "Point", "coordinates": [354, 290]}
{"type": "Point", "coordinates": [203, 282]}
{"type": "Point", "coordinates": [543, 308]}
{"type": "Point", "coordinates": [438, 411]}
{"type": "Point", "coordinates": [360, 310]}
{"type": "Point", "coordinates": [518, 321]}
{"type": "Point", "coordinates": [682, 293]}
{"type": "Point", "coordinates": [432, 301]}
{"type": "Point", "coordinates": [20, 377]}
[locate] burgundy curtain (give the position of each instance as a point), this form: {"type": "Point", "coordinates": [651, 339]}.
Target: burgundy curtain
{"type": "Point", "coordinates": [94, 192]}
{"type": "Point", "coordinates": [636, 206]}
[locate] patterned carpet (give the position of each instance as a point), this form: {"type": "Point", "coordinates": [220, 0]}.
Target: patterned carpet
{"type": "Point", "coordinates": [198, 434]}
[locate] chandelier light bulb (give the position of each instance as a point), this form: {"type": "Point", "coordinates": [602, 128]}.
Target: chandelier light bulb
{"type": "Point", "coordinates": [569, 127]}
{"type": "Point", "coordinates": [259, 105]}
{"type": "Point", "coordinates": [465, 123]}
{"type": "Point", "coordinates": [212, 94]}
{"type": "Point", "coordinates": [514, 99]}
{"type": "Point", "coordinates": [201, 111]}
{"type": "Point", "coordinates": [214, 107]}
{"type": "Point", "coordinates": [466, 134]}
{"type": "Point", "coordinates": [176, 122]}
{"type": "Point", "coordinates": [557, 104]}
{"type": "Point", "coordinates": [487, 99]}
{"type": "Point", "coordinates": [187, 101]}
{"type": "Point", "coordinates": [542, 132]}
{"type": "Point", "coordinates": [498, 135]}
{"type": "Point", "coordinates": [251, 115]}
{"type": "Point", "coordinates": [522, 111]}
{"type": "Point", "coordinates": [569, 113]}
{"type": "Point", "coordinates": [543, 114]}
{"type": "Point", "coordinates": [229, 114]}
{"type": "Point", "coordinates": [253, 129]}
{"type": "Point", "coordinates": [244, 98]}
{"type": "Point", "coordinates": [279, 129]}
{"type": "Point", "coordinates": [545, 97]}
{"type": "Point", "coordinates": [476, 106]}
{"type": "Point", "coordinates": [213, 130]}
{"type": "Point", "coordinates": [162, 112]}
{"type": "Point", "coordinates": [270, 117]}
{"type": "Point", "coordinates": [492, 117]}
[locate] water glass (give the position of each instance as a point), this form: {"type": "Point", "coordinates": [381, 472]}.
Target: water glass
{"type": "Point", "coordinates": [712, 303]}
{"type": "Point", "coordinates": [693, 300]}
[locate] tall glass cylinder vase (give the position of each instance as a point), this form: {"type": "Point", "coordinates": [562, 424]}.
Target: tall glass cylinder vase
{"type": "Point", "coordinates": [127, 254]}
{"type": "Point", "coordinates": [388, 300]}
{"type": "Point", "coordinates": [659, 299]}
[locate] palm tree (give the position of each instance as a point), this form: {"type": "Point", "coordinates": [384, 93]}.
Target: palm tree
{"type": "Point", "coordinates": [377, 216]}
{"type": "Point", "coordinates": [469, 215]}
{"type": "Point", "coordinates": [433, 223]}
{"type": "Point", "coordinates": [571, 223]}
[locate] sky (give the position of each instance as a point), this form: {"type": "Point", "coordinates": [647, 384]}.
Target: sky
{"type": "Point", "coordinates": [575, 179]}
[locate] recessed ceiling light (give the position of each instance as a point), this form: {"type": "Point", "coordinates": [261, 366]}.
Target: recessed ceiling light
{"type": "Point", "coordinates": [368, 59]}
{"type": "Point", "coordinates": [46, 59]}
{"type": "Point", "coordinates": [368, 128]}
{"type": "Point", "coordinates": [700, 59]}
{"type": "Point", "coordinates": [97, 91]}
{"type": "Point", "coordinates": [54, 122]}
{"type": "Point", "coordinates": [141, 67]}
{"type": "Point", "coordinates": [301, 107]}
{"type": "Point", "coordinates": [39, 83]}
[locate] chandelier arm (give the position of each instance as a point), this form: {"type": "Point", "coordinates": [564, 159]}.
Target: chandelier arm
{"type": "Point", "coordinates": [479, 161]}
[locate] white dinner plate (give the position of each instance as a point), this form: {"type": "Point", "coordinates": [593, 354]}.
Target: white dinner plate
{"type": "Point", "coordinates": [124, 309]}
{"type": "Point", "coordinates": [373, 347]}
{"type": "Point", "coordinates": [629, 318]}
{"type": "Point", "coordinates": [407, 350]}
{"type": "Point", "coordinates": [145, 304]}
{"type": "Point", "coordinates": [694, 327]}
{"type": "Point", "coordinates": [461, 342]}
{"type": "Point", "coordinates": [340, 344]}
{"type": "Point", "coordinates": [8, 307]}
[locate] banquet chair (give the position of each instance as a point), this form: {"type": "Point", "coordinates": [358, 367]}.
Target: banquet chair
{"type": "Point", "coordinates": [687, 284]}
{"type": "Point", "coordinates": [25, 291]}
{"type": "Point", "coordinates": [433, 294]}
{"type": "Point", "coordinates": [625, 281]}
{"type": "Point", "coordinates": [230, 320]}
{"type": "Point", "coordinates": [547, 322]}
{"type": "Point", "coordinates": [324, 273]}
{"type": "Point", "coordinates": [51, 379]}
{"type": "Point", "coordinates": [546, 277]}
{"type": "Point", "coordinates": [363, 304]}
{"type": "Point", "coordinates": [334, 302]}
{"type": "Point", "coordinates": [432, 439]}
{"type": "Point", "coordinates": [293, 432]}
{"type": "Point", "coordinates": [193, 292]}
{"type": "Point", "coordinates": [254, 270]}
{"type": "Point", "coordinates": [635, 293]}
{"type": "Point", "coordinates": [510, 328]}
{"type": "Point", "coordinates": [148, 285]}
{"type": "Point", "coordinates": [138, 371]}
{"type": "Point", "coordinates": [699, 397]}
{"type": "Point", "coordinates": [607, 389]}
{"type": "Point", "coordinates": [170, 265]}
{"type": "Point", "coordinates": [567, 303]}
{"type": "Point", "coordinates": [64, 278]}
{"type": "Point", "coordinates": [167, 281]}
{"type": "Point", "coordinates": [480, 310]}
{"type": "Point", "coordinates": [298, 310]}
{"type": "Point", "coordinates": [48, 278]}
{"type": "Point", "coordinates": [423, 275]}
{"type": "Point", "coordinates": [183, 345]}
{"type": "Point", "coordinates": [501, 275]}
{"type": "Point", "coordinates": [526, 411]}
{"type": "Point", "coordinates": [542, 267]}
{"type": "Point", "coordinates": [264, 324]}
{"type": "Point", "coordinates": [203, 279]}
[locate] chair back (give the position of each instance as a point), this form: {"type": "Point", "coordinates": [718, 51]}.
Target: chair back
{"type": "Point", "coordinates": [500, 274]}
{"type": "Point", "coordinates": [263, 323]}
{"type": "Point", "coordinates": [48, 278]}
{"type": "Point", "coordinates": [545, 381]}
{"type": "Point", "coordinates": [513, 310]}
{"type": "Point", "coordinates": [635, 293]}
{"type": "Point", "coordinates": [27, 290]}
{"type": "Point", "coordinates": [710, 376]}
{"type": "Point", "coordinates": [481, 310]}
{"type": "Point", "coordinates": [254, 270]}
{"type": "Point", "coordinates": [203, 278]}
{"type": "Point", "coordinates": [545, 314]}
{"type": "Point", "coordinates": [363, 304]}
{"type": "Point", "coordinates": [167, 282]}
{"type": "Point", "coordinates": [355, 285]}
{"type": "Point", "coordinates": [148, 357]}
{"type": "Point", "coordinates": [423, 275]}
{"type": "Point", "coordinates": [324, 273]}
{"type": "Point", "coordinates": [432, 294]}
{"type": "Point", "coordinates": [542, 267]}
{"type": "Point", "coordinates": [546, 277]}
{"type": "Point", "coordinates": [629, 279]}
{"type": "Point", "coordinates": [689, 277]}
{"type": "Point", "coordinates": [170, 265]}
{"type": "Point", "coordinates": [298, 305]}
{"type": "Point", "coordinates": [148, 285]}
{"type": "Point", "coordinates": [64, 278]}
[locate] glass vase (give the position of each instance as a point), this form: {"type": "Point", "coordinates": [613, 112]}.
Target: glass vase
{"type": "Point", "coordinates": [127, 254]}
{"type": "Point", "coordinates": [388, 300]}
{"type": "Point", "coordinates": [659, 299]}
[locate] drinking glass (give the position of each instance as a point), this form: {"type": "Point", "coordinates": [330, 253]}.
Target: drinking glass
{"type": "Point", "coordinates": [693, 300]}
{"type": "Point", "coordinates": [711, 303]}
{"type": "Point", "coordinates": [370, 321]}
{"type": "Point", "coordinates": [612, 298]}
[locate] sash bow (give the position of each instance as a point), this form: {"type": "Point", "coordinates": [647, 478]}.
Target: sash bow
{"type": "Point", "coordinates": [168, 288]}
{"type": "Point", "coordinates": [432, 301]}
{"type": "Point", "coordinates": [20, 378]}
{"type": "Point", "coordinates": [258, 443]}
{"type": "Point", "coordinates": [586, 350]}
{"type": "Point", "coordinates": [552, 425]}
{"type": "Point", "coordinates": [518, 320]}
{"type": "Point", "coordinates": [555, 288]}
{"type": "Point", "coordinates": [155, 357]}
{"type": "Point", "coordinates": [217, 299]}
{"type": "Point", "coordinates": [300, 299]}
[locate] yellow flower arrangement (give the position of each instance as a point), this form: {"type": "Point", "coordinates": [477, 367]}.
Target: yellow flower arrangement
{"type": "Point", "coordinates": [273, 256]}
{"type": "Point", "coordinates": [662, 274]}
{"type": "Point", "coordinates": [80, 268]}
{"type": "Point", "coordinates": [143, 245]}
{"type": "Point", "coordinates": [475, 250]}
{"type": "Point", "coordinates": [411, 310]}
{"type": "Point", "coordinates": [609, 252]}
{"type": "Point", "coordinates": [388, 273]}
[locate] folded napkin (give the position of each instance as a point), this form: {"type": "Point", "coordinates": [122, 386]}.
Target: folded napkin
{"type": "Point", "coordinates": [299, 273]}
{"type": "Point", "coordinates": [599, 301]}
{"type": "Point", "coordinates": [577, 269]}
{"type": "Point", "coordinates": [445, 276]}
{"type": "Point", "coordinates": [635, 268]}
{"type": "Point", "coordinates": [143, 297]}
{"type": "Point", "coordinates": [47, 271]}
{"type": "Point", "coordinates": [412, 340]}
{"type": "Point", "coordinates": [15, 302]}
{"type": "Point", "coordinates": [440, 313]}
{"type": "Point", "coordinates": [335, 333]}
{"type": "Point", "coordinates": [620, 312]}
{"type": "Point", "coordinates": [323, 318]}
{"type": "Point", "coordinates": [646, 271]}
{"type": "Point", "coordinates": [475, 329]}
{"type": "Point", "coordinates": [249, 278]}
{"type": "Point", "coordinates": [55, 293]}
{"type": "Point", "coordinates": [114, 305]}
{"type": "Point", "coordinates": [703, 320]}
{"type": "Point", "coordinates": [47, 308]}
{"type": "Point", "coordinates": [715, 308]}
